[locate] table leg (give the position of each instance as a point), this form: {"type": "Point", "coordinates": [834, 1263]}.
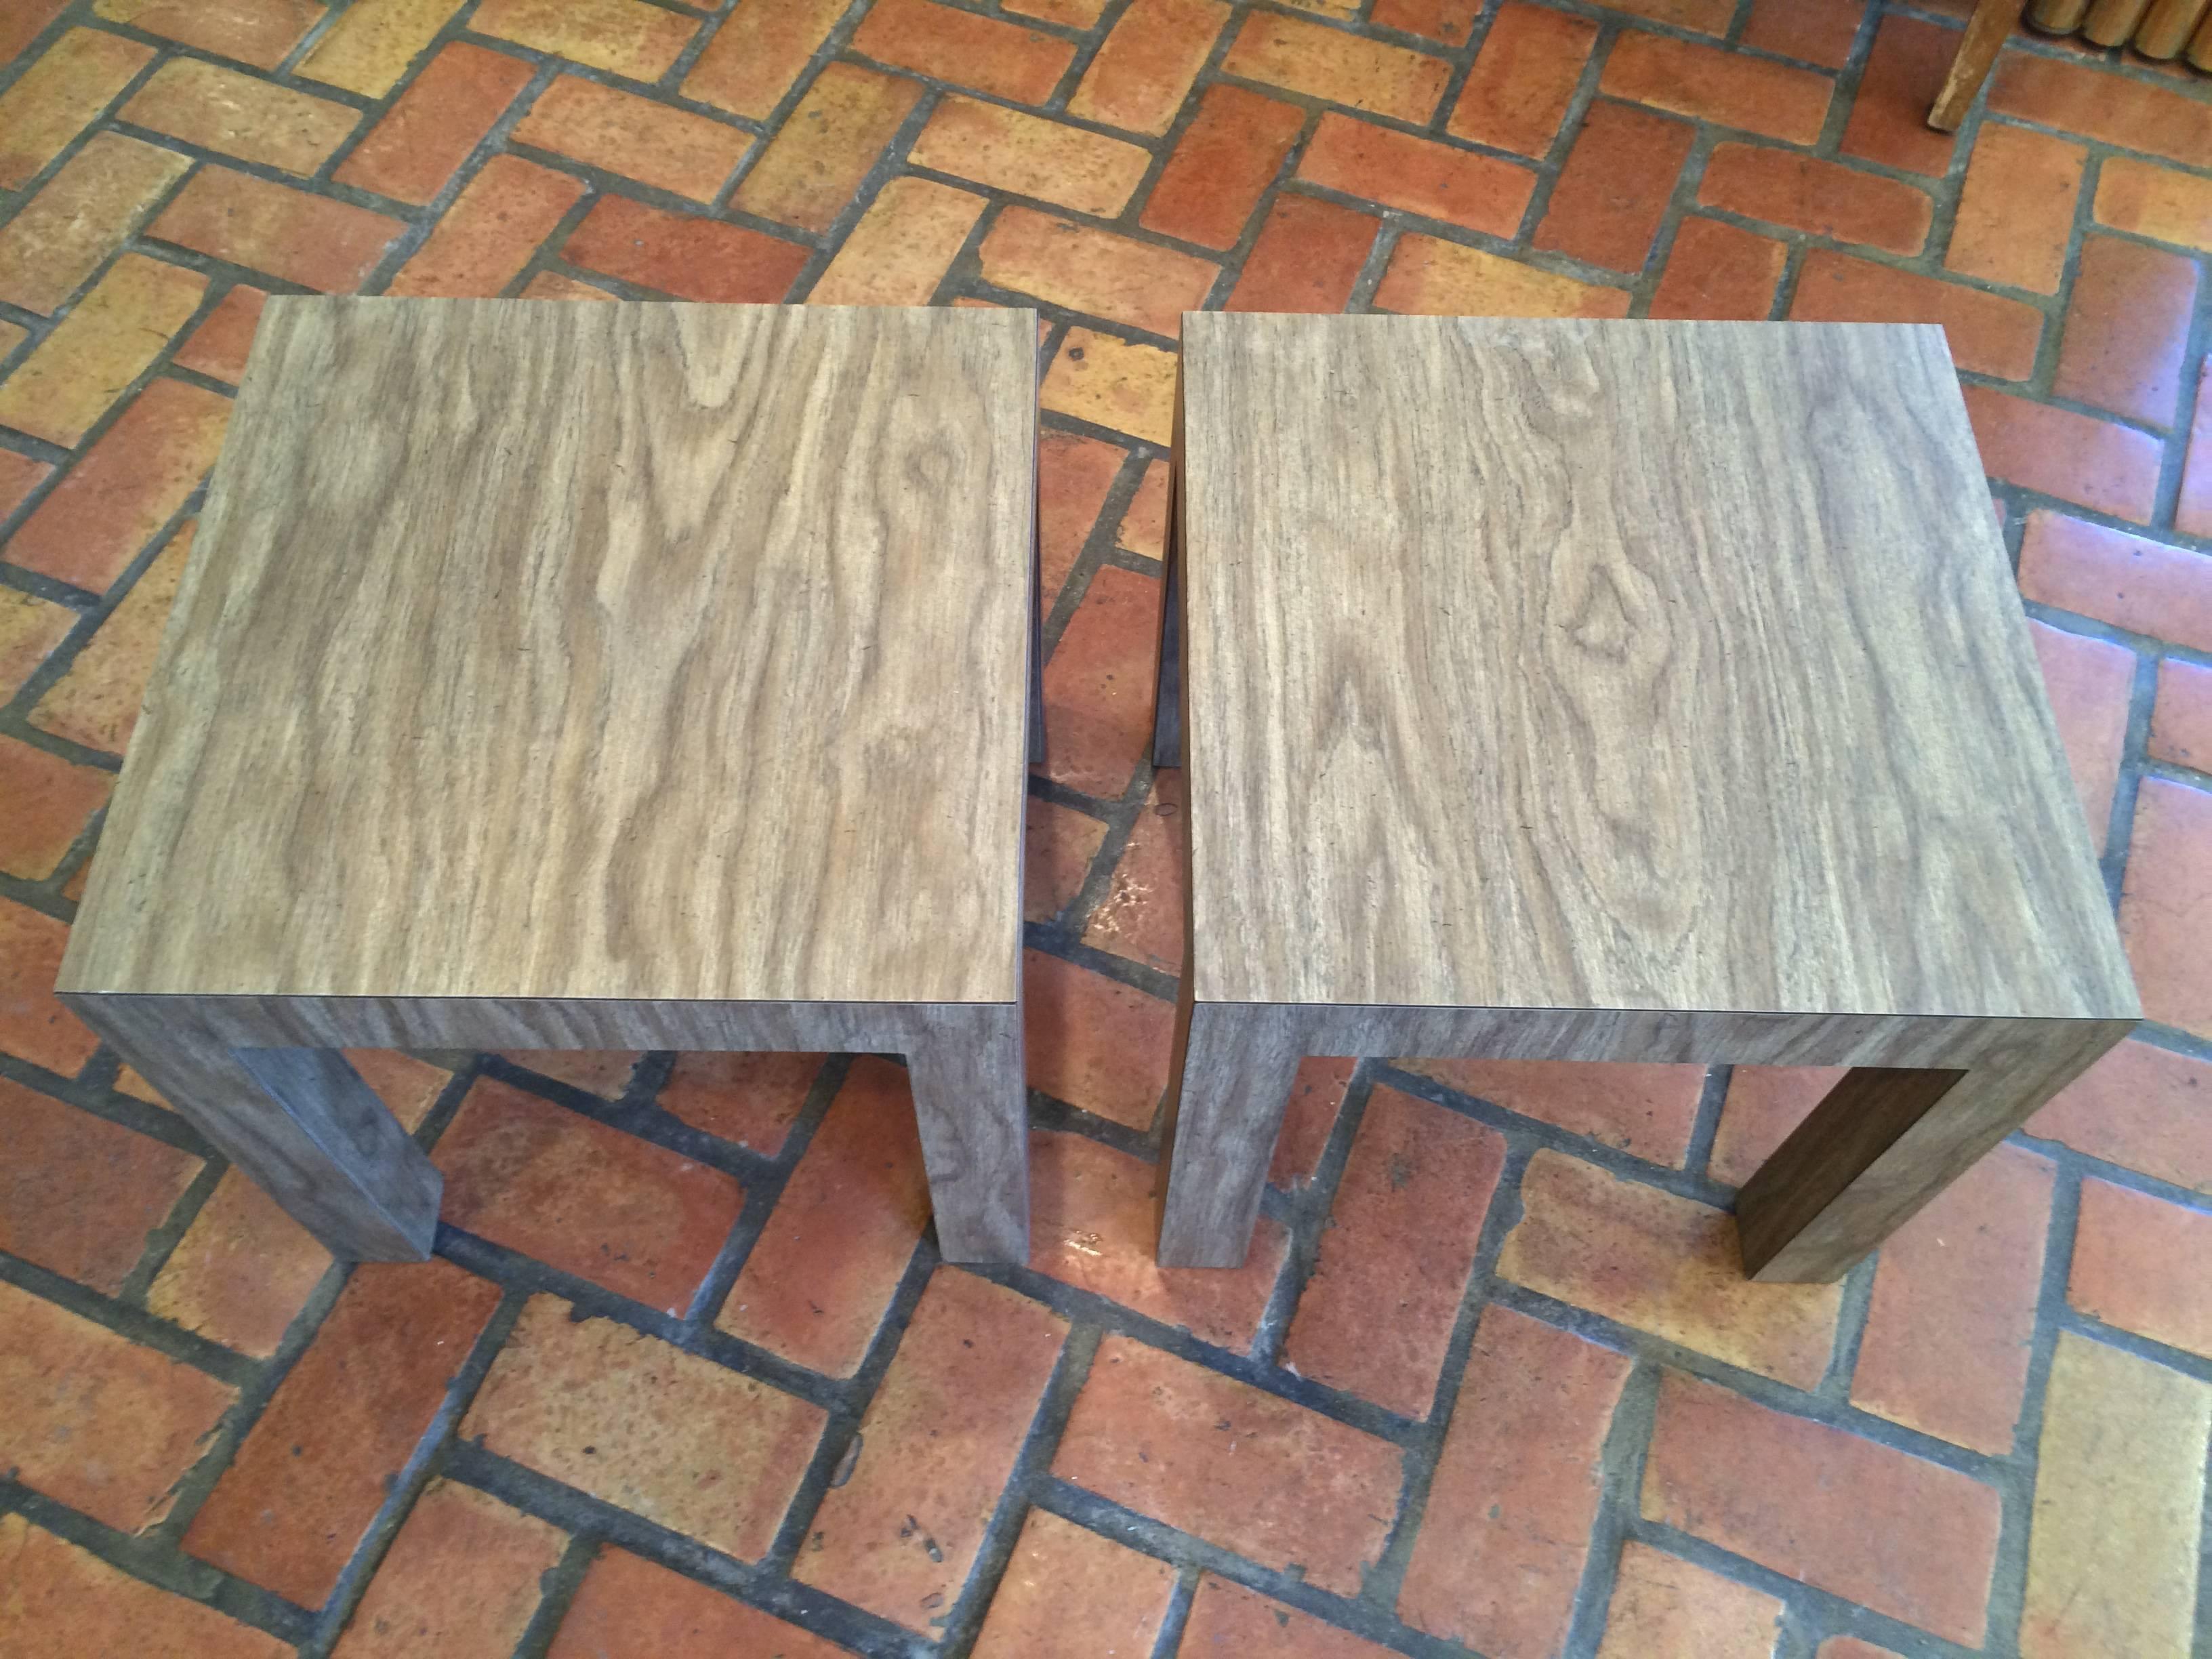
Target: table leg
{"type": "Point", "coordinates": [971, 1100]}
{"type": "Point", "coordinates": [1167, 684]}
{"type": "Point", "coordinates": [1233, 1079]}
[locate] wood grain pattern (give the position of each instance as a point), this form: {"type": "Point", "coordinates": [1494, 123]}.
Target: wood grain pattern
{"type": "Point", "coordinates": [1987, 30]}
{"type": "Point", "coordinates": [650, 651]}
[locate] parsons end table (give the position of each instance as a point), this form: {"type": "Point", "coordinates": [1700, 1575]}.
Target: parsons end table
{"type": "Point", "coordinates": [564, 676]}
{"type": "Point", "coordinates": [1616, 690]}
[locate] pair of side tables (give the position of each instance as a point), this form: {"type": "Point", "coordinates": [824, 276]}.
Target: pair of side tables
{"type": "Point", "coordinates": [662, 675]}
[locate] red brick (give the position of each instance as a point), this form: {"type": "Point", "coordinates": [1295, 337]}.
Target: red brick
{"type": "Point", "coordinates": [1418, 175]}
{"type": "Point", "coordinates": [501, 216]}
{"type": "Point", "coordinates": [1661, 1604]}
{"type": "Point", "coordinates": [1308, 257]}
{"type": "Point", "coordinates": [751, 1099]}
{"type": "Point", "coordinates": [1074, 474]}
{"type": "Point", "coordinates": [1648, 1110]}
{"type": "Point", "coordinates": [691, 259]}
{"type": "Point", "coordinates": [1763, 1104]}
{"type": "Point", "coordinates": [1988, 333]}
{"type": "Point", "coordinates": [261, 33]}
{"type": "Point", "coordinates": [1820, 34]}
{"type": "Point", "coordinates": [1223, 162]}
{"type": "Point", "coordinates": [34, 1025]}
{"type": "Point", "coordinates": [899, 250]}
{"type": "Point", "coordinates": [1897, 87]}
{"type": "Point", "coordinates": [969, 51]}
{"type": "Point", "coordinates": [1524, 78]}
{"type": "Point", "coordinates": [758, 55]}
{"type": "Point", "coordinates": [1823, 198]}
{"type": "Point", "coordinates": [20, 24]}
{"type": "Point", "coordinates": [62, 1599]}
{"type": "Point", "coordinates": [622, 1212]}
{"type": "Point", "coordinates": [1141, 916]}
{"type": "Point", "coordinates": [2155, 202]}
{"type": "Point", "coordinates": [2111, 468]}
{"type": "Point", "coordinates": [19, 475]}
{"type": "Point", "coordinates": [1338, 66]}
{"type": "Point", "coordinates": [2015, 217]}
{"type": "Point", "coordinates": [1098, 684]}
{"type": "Point", "coordinates": [1228, 1621]}
{"type": "Point", "coordinates": [1276, 1483]}
{"type": "Point", "coordinates": [602, 1071]}
{"type": "Point", "coordinates": [2181, 719]}
{"type": "Point", "coordinates": [312, 1474]}
{"type": "Point", "coordinates": [629, 1609]}
{"type": "Point", "coordinates": [2166, 905]}
{"type": "Point", "coordinates": [624, 37]}
{"type": "Point", "coordinates": [218, 346]}
{"type": "Point", "coordinates": [689, 1444]}
{"type": "Point", "coordinates": [1086, 268]}
{"type": "Point", "coordinates": [937, 1446]}
{"type": "Point", "coordinates": [2124, 579]}
{"type": "Point", "coordinates": [1094, 1041]}
{"type": "Point", "coordinates": [243, 1272]}
{"type": "Point", "coordinates": [1850, 1647]}
{"type": "Point", "coordinates": [461, 1576]}
{"type": "Point", "coordinates": [431, 127]}
{"type": "Point", "coordinates": [60, 93]}
{"type": "Point", "coordinates": [1069, 1593]}
{"type": "Point", "coordinates": [1377, 1317]}
{"type": "Point", "coordinates": [90, 206]}
{"type": "Point", "coordinates": [1030, 156]}
{"type": "Point", "coordinates": [1058, 846]}
{"type": "Point", "coordinates": [1096, 1226]}
{"type": "Point", "coordinates": [2127, 330]}
{"type": "Point", "coordinates": [1706, 16]}
{"type": "Point", "coordinates": [1721, 271]}
{"type": "Point", "coordinates": [1905, 1537]}
{"type": "Point", "coordinates": [1450, 22]}
{"type": "Point", "coordinates": [1142, 71]}
{"type": "Point", "coordinates": [2192, 513]}
{"type": "Point", "coordinates": [1615, 188]}
{"type": "Point", "coordinates": [1317, 1094]}
{"type": "Point", "coordinates": [308, 239]}
{"type": "Point", "coordinates": [1709, 83]}
{"type": "Point", "coordinates": [50, 800]}
{"type": "Point", "coordinates": [2145, 1265]}
{"type": "Point", "coordinates": [2125, 112]}
{"type": "Point", "coordinates": [2091, 683]}
{"type": "Point", "coordinates": [111, 336]}
{"type": "Point", "coordinates": [2143, 1107]}
{"type": "Point", "coordinates": [79, 1194]}
{"type": "Point", "coordinates": [817, 158]}
{"type": "Point", "coordinates": [1144, 527]}
{"type": "Point", "coordinates": [1506, 1532]}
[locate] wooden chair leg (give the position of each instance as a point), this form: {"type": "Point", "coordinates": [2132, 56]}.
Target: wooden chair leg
{"type": "Point", "coordinates": [1233, 1075]}
{"type": "Point", "coordinates": [971, 1100]}
{"type": "Point", "coordinates": [1992, 23]}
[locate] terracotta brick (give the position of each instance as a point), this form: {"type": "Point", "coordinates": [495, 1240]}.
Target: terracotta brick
{"type": "Point", "coordinates": [1377, 1317]}
{"type": "Point", "coordinates": [309, 240]}
{"type": "Point", "coordinates": [30, 627]}
{"type": "Point", "coordinates": [2117, 578]}
{"type": "Point", "coordinates": [899, 252]}
{"type": "Point", "coordinates": [758, 55]}
{"type": "Point", "coordinates": [1709, 84]}
{"type": "Point", "coordinates": [2127, 329]}
{"type": "Point", "coordinates": [1099, 681]}
{"type": "Point", "coordinates": [1418, 175]}
{"type": "Point", "coordinates": [22, 23]}
{"type": "Point", "coordinates": [629, 1609]}
{"type": "Point", "coordinates": [1075, 13]}
{"type": "Point", "coordinates": [371, 45]}
{"type": "Point", "coordinates": [2015, 216]}
{"type": "Point", "coordinates": [691, 259]}
{"type": "Point", "coordinates": [1088, 269]}
{"type": "Point", "coordinates": [1615, 188]}
{"type": "Point", "coordinates": [501, 218]}
{"type": "Point", "coordinates": [256, 32]}
{"type": "Point", "coordinates": [937, 1444]}
{"type": "Point", "coordinates": [753, 1099]}
{"type": "Point", "coordinates": [1228, 1621]}
{"type": "Point", "coordinates": [2167, 903]}
{"type": "Point", "coordinates": [1524, 77]}
{"type": "Point", "coordinates": [1850, 1647]}
{"type": "Point", "coordinates": [1719, 270]}
{"type": "Point", "coordinates": [1826, 199]}
{"type": "Point", "coordinates": [1664, 1607]}
{"type": "Point", "coordinates": [1763, 1104]}
{"type": "Point", "coordinates": [242, 115]}
{"type": "Point", "coordinates": [1338, 67]}
{"type": "Point", "coordinates": [87, 210]}
{"type": "Point", "coordinates": [1430, 277]}
{"type": "Point", "coordinates": [218, 346]}
{"type": "Point", "coordinates": [1905, 1537]}
{"type": "Point", "coordinates": [670, 149]}
{"type": "Point", "coordinates": [622, 36]}
{"type": "Point", "coordinates": [553, 285]}
{"type": "Point", "coordinates": [1649, 1110]}
{"type": "Point", "coordinates": [2095, 104]}
{"type": "Point", "coordinates": [461, 1576]}
{"type": "Point", "coordinates": [1448, 22]}
{"type": "Point", "coordinates": [1069, 1593]}
{"type": "Point", "coordinates": [2155, 202]}
{"type": "Point", "coordinates": [107, 342]}
{"type": "Point", "coordinates": [2140, 1107]}
{"type": "Point", "coordinates": [1074, 474]}
{"type": "Point", "coordinates": [1317, 1093]}
{"type": "Point", "coordinates": [1897, 88]}
{"type": "Point", "coordinates": [78, 1194]}
{"type": "Point", "coordinates": [96, 702]}
{"type": "Point", "coordinates": [2181, 719]}
{"type": "Point", "coordinates": [1058, 846]}
{"type": "Point", "coordinates": [35, 1027]}
{"type": "Point", "coordinates": [1004, 59]}
{"type": "Point", "coordinates": [2090, 682]}
{"type": "Point", "coordinates": [1308, 257]}
{"type": "Point", "coordinates": [312, 1474]}
{"type": "Point", "coordinates": [819, 156]}
{"type": "Point", "coordinates": [2111, 468]}
{"type": "Point", "coordinates": [19, 475]}
{"type": "Point", "coordinates": [59, 94]}
{"type": "Point", "coordinates": [1093, 1041]}
{"type": "Point", "coordinates": [1222, 165]}
{"type": "Point", "coordinates": [1706, 16]}
{"type": "Point", "coordinates": [1030, 155]}
{"type": "Point", "coordinates": [602, 1071]}
{"type": "Point", "coordinates": [50, 802]}
{"type": "Point", "coordinates": [1141, 915]}
{"type": "Point", "coordinates": [1144, 527]}
{"type": "Point", "coordinates": [61, 1598]}
{"type": "Point", "coordinates": [432, 128]}
{"type": "Point", "coordinates": [1276, 1483]}
{"type": "Point", "coordinates": [1506, 1532]}
{"type": "Point", "coordinates": [243, 1271]}
{"type": "Point", "coordinates": [2112, 1550]}
{"type": "Point", "coordinates": [1988, 333]}
{"type": "Point", "coordinates": [2139, 1264]}
{"type": "Point", "coordinates": [1126, 387]}
{"type": "Point", "coordinates": [1819, 34]}
{"type": "Point", "coordinates": [2192, 512]}
{"type": "Point", "coordinates": [1141, 73]}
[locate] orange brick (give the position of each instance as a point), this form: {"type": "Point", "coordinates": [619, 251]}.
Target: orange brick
{"type": "Point", "coordinates": [818, 156]}
{"type": "Point", "coordinates": [553, 285]}
{"type": "Point", "coordinates": [1614, 190]}
{"type": "Point", "coordinates": [501, 218]}
{"type": "Point", "coordinates": [1418, 175]}
{"type": "Point", "coordinates": [937, 1445]}
{"type": "Point", "coordinates": [1719, 270]}
{"type": "Point", "coordinates": [2124, 579]}
{"type": "Point", "coordinates": [21, 23]}
{"type": "Point", "coordinates": [96, 702]}
{"type": "Point", "coordinates": [1144, 526]}
{"type": "Point", "coordinates": [2192, 513]}
{"type": "Point", "coordinates": [261, 33]}
{"type": "Point", "coordinates": [50, 802]}
{"type": "Point", "coordinates": [19, 475]}
{"type": "Point", "coordinates": [1337, 66]}
{"type": "Point", "coordinates": [310, 1474]}
{"type": "Point", "coordinates": [1897, 88]}
{"type": "Point", "coordinates": [30, 627]}
{"type": "Point", "coordinates": [758, 55]}
{"type": "Point", "coordinates": [243, 1271]}
{"type": "Point", "coordinates": [1709, 84]}
{"type": "Point", "coordinates": [34, 1025]}
{"type": "Point", "coordinates": [2139, 1265]}
{"type": "Point", "coordinates": [1126, 387]}
{"type": "Point", "coordinates": [751, 1099]}
{"type": "Point", "coordinates": [1030, 156]}
{"type": "Point", "coordinates": [899, 252]}
{"type": "Point", "coordinates": [2055, 451]}
{"type": "Point", "coordinates": [602, 1071]}
{"type": "Point", "coordinates": [218, 346]}
{"type": "Point", "coordinates": [1059, 845]}
{"type": "Point", "coordinates": [373, 42]}
{"type": "Point", "coordinates": [1099, 681]}
{"type": "Point", "coordinates": [308, 239]}
{"type": "Point", "coordinates": [1706, 16]}
{"type": "Point", "coordinates": [242, 115]}
{"type": "Point", "coordinates": [1000, 59]}
{"type": "Point", "coordinates": [2155, 202]}
{"type": "Point", "coordinates": [54, 1588]}
{"type": "Point", "coordinates": [1224, 161]}
{"type": "Point", "coordinates": [1448, 22]}
{"type": "Point", "coordinates": [58, 95]}
{"type": "Point", "coordinates": [2181, 719]}
{"type": "Point", "coordinates": [2015, 214]}
{"type": "Point", "coordinates": [434, 125]}
{"type": "Point", "coordinates": [109, 338]}
{"type": "Point", "coordinates": [672, 148]}
{"type": "Point", "coordinates": [1763, 1105]}
{"type": "Point", "coordinates": [78, 1194]}
{"type": "Point", "coordinates": [622, 36]}
{"type": "Point", "coordinates": [1988, 333]}
{"type": "Point", "coordinates": [1142, 71]}
{"type": "Point", "coordinates": [1524, 79]}
{"type": "Point", "coordinates": [2167, 903]}
{"type": "Point", "coordinates": [1662, 1605]}
{"type": "Point", "coordinates": [1067, 1593]}
{"type": "Point", "coordinates": [1819, 34]}
{"type": "Point", "coordinates": [1823, 198]}
{"type": "Point", "coordinates": [2127, 330]}
{"type": "Point", "coordinates": [1430, 277]}
{"type": "Point", "coordinates": [461, 1576]}
{"type": "Point", "coordinates": [691, 259]}
{"type": "Point", "coordinates": [1318, 1092]}
{"type": "Point", "coordinates": [629, 1609]}
{"type": "Point", "coordinates": [1850, 1647]}
{"type": "Point", "coordinates": [1228, 1621]}
{"type": "Point", "coordinates": [87, 210]}
{"type": "Point", "coordinates": [689, 1444]}
{"type": "Point", "coordinates": [1088, 269]}
{"type": "Point", "coordinates": [1220, 1460]}
{"type": "Point", "coordinates": [2091, 683]}
{"type": "Point", "coordinates": [1074, 475]}
{"type": "Point", "coordinates": [1093, 1041]}
{"type": "Point", "coordinates": [1141, 915]}
{"type": "Point", "coordinates": [1648, 1110]}
{"type": "Point", "coordinates": [2095, 104]}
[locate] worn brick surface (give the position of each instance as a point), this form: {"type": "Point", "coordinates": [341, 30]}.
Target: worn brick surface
{"type": "Point", "coordinates": [462, 1576]}
{"type": "Point", "coordinates": [629, 1609]}
{"type": "Point", "coordinates": [1068, 1593]}
{"type": "Point", "coordinates": [78, 1194]}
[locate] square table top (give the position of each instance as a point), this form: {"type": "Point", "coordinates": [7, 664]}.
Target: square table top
{"type": "Point", "coordinates": [1614, 665]}
{"type": "Point", "coordinates": [545, 649]}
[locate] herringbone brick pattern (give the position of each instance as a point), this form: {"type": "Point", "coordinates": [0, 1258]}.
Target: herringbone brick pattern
{"type": "Point", "coordinates": [686, 1375]}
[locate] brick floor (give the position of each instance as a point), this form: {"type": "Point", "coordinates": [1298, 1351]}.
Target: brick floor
{"type": "Point", "coordinates": [688, 1375]}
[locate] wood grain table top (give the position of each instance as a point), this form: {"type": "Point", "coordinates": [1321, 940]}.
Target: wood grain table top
{"type": "Point", "coordinates": [1616, 664]}
{"type": "Point", "coordinates": [531, 649]}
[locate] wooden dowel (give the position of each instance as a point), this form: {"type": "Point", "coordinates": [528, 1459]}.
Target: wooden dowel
{"type": "Point", "coordinates": [2111, 22]}
{"type": "Point", "coordinates": [2057, 17]}
{"type": "Point", "coordinates": [2168, 25]}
